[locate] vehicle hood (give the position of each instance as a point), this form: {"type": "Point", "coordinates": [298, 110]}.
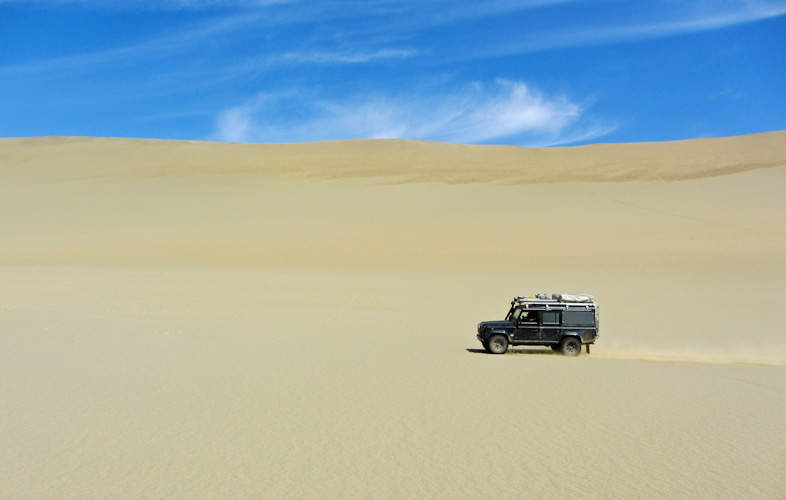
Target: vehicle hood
{"type": "Point", "coordinates": [494, 325]}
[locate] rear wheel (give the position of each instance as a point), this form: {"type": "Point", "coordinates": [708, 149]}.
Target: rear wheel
{"type": "Point", "coordinates": [498, 344]}
{"type": "Point", "coordinates": [571, 346]}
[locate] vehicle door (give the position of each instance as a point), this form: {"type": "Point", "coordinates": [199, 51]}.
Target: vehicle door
{"type": "Point", "coordinates": [550, 331]}
{"type": "Point", "coordinates": [528, 327]}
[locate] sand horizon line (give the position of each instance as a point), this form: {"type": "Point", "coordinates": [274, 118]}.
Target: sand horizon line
{"type": "Point", "coordinates": [395, 161]}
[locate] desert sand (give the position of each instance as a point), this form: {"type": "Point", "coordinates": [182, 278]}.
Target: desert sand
{"type": "Point", "coordinates": [207, 320]}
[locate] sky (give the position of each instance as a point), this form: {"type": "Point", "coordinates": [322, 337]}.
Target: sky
{"type": "Point", "coordinates": [527, 73]}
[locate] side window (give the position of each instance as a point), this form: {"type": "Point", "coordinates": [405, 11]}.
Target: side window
{"type": "Point", "coordinates": [550, 318]}
{"type": "Point", "coordinates": [529, 317]}
{"type": "Point", "coordinates": [576, 318]}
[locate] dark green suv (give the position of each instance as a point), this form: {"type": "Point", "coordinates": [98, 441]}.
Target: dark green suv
{"type": "Point", "coordinates": [563, 322]}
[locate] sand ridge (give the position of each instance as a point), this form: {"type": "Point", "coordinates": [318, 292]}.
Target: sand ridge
{"type": "Point", "coordinates": [395, 160]}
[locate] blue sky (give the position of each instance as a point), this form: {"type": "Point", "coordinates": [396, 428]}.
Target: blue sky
{"type": "Point", "coordinates": [530, 72]}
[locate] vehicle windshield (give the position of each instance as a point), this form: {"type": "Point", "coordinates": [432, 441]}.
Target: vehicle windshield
{"type": "Point", "coordinates": [514, 314]}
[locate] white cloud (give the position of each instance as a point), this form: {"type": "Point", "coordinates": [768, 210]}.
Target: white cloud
{"type": "Point", "coordinates": [515, 109]}
{"type": "Point", "coordinates": [366, 26]}
{"type": "Point", "coordinates": [166, 44]}
{"type": "Point", "coordinates": [234, 124]}
{"type": "Point", "coordinates": [505, 112]}
{"type": "Point", "coordinates": [153, 4]}
{"type": "Point", "coordinates": [692, 16]}
{"type": "Point", "coordinates": [349, 57]}
{"type": "Point", "coordinates": [724, 14]}
{"type": "Point", "coordinates": [727, 93]}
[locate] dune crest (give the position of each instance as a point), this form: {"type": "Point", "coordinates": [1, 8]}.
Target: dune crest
{"type": "Point", "coordinates": [392, 160]}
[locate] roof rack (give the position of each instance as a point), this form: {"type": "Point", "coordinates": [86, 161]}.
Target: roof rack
{"type": "Point", "coordinates": [568, 301]}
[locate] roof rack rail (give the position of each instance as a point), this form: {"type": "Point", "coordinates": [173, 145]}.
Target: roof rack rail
{"type": "Point", "coordinates": [567, 300]}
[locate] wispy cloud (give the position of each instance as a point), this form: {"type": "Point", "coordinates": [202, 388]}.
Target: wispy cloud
{"type": "Point", "coordinates": [727, 94]}
{"type": "Point", "coordinates": [163, 45]}
{"type": "Point", "coordinates": [272, 16]}
{"type": "Point", "coordinates": [372, 31]}
{"type": "Point", "coordinates": [359, 56]}
{"type": "Point", "coordinates": [153, 4]}
{"type": "Point", "coordinates": [721, 15]}
{"type": "Point", "coordinates": [359, 65]}
{"type": "Point", "coordinates": [505, 111]}
{"type": "Point", "coordinates": [695, 16]}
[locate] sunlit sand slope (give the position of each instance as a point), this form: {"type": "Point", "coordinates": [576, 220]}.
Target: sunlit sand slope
{"type": "Point", "coordinates": [205, 320]}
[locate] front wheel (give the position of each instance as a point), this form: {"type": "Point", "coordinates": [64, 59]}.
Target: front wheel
{"type": "Point", "coordinates": [571, 347]}
{"type": "Point", "coordinates": [498, 344]}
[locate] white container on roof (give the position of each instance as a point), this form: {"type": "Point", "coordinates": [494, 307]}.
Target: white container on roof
{"type": "Point", "coordinates": [579, 299]}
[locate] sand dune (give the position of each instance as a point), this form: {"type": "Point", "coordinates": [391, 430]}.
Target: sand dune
{"type": "Point", "coordinates": [205, 320]}
{"type": "Point", "coordinates": [394, 160]}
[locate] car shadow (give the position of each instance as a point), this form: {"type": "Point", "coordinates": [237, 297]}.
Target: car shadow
{"type": "Point", "coordinates": [519, 351]}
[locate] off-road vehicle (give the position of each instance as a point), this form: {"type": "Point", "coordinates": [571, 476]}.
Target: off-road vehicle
{"type": "Point", "coordinates": [563, 322]}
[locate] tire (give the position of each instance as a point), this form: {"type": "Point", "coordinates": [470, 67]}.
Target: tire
{"type": "Point", "coordinates": [497, 344]}
{"type": "Point", "coordinates": [571, 346]}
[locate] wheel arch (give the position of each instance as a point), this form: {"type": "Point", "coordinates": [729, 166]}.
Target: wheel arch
{"type": "Point", "coordinates": [490, 333]}
{"type": "Point", "coordinates": [570, 335]}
